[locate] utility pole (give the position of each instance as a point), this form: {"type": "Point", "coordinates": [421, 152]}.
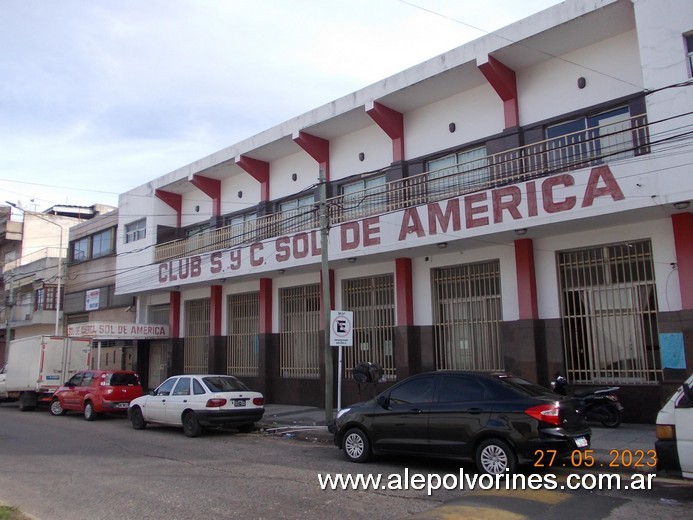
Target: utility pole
{"type": "Point", "coordinates": [326, 293]}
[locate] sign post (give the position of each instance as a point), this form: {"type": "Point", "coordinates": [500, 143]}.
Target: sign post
{"type": "Point", "coordinates": [341, 335]}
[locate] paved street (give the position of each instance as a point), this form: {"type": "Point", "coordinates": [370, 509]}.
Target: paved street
{"type": "Point", "coordinates": [66, 468]}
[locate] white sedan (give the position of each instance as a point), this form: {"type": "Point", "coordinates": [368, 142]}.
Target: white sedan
{"type": "Point", "coordinates": [198, 401]}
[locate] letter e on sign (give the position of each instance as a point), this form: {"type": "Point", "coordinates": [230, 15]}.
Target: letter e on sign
{"type": "Point", "coordinates": [341, 328]}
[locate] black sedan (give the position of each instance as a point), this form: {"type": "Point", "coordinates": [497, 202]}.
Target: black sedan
{"type": "Point", "coordinates": [494, 419]}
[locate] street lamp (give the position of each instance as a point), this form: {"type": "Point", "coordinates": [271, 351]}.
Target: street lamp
{"type": "Point", "coordinates": [60, 261]}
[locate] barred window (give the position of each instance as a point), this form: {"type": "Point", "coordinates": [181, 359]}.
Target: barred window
{"type": "Point", "coordinates": [196, 343]}
{"type": "Point", "coordinates": [243, 349]}
{"type": "Point", "coordinates": [468, 316]}
{"type": "Point", "coordinates": [372, 300]}
{"type": "Point", "coordinates": [609, 312]}
{"type": "Point", "coordinates": [299, 322]}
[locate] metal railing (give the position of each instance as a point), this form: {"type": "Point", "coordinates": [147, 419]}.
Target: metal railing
{"type": "Point", "coordinates": [591, 146]}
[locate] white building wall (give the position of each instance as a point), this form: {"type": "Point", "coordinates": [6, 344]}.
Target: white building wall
{"type": "Point", "coordinates": [373, 142]}
{"type": "Point", "coordinates": [477, 113]}
{"type": "Point", "coordinates": [281, 170]}
{"type": "Point", "coordinates": [611, 69]}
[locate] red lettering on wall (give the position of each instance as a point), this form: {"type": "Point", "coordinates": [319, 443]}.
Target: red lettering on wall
{"type": "Point", "coordinates": [610, 187]}
{"type": "Point", "coordinates": [215, 262]}
{"type": "Point", "coordinates": [283, 247]}
{"type": "Point", "coordinates": [551, 205]}
{"type": "Point", "coordinates": [532, 209]}
{"type": "Point", "coordinates": [411, 223]}
{"type": "Point", "coordinates": [300, 242]}
{"type": "Point", "coordinates": [470, 211]}
{"type": "Point", "coordinates": [507, 198]}
{"type": "Point", "coordinates": [255, 258]}
{"type": "Point", "coordinates": [350, 234]}
{"type": "Point", "coordinates": [371, 228]}
{"type": "Point", "coordinates": [450, 216]}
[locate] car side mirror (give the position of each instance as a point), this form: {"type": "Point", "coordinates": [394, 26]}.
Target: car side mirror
{"type": "Point", "coordinates": [384, 401]}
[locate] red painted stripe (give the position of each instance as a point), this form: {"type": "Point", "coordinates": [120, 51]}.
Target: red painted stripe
{"type": "Point", "coordinates": [526, 279]}
{"type": "Point", "coordinates": [683, 242]}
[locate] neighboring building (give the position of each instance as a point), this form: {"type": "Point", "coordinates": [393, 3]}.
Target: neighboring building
{"type": "Point", "coordinates": [32, 249]}
{"type": "Point", "coordinates": [518, 203]}
{"type": "Point", "coordinates": [91, 307]}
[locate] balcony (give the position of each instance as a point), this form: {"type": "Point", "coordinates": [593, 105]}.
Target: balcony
{"type": "Point", "coordinates": [628, 137]}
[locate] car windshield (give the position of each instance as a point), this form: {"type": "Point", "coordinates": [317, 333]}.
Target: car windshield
{"type": "Point", "coordinates": [224, 384]}
{"type": "Point", "coordinates": [122, 379]}
{"type": "Point", "coordinates": [526, 387]}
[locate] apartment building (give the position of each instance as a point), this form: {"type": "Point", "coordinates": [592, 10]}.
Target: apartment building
{"type": "Point", "coordinates": [519, 203]}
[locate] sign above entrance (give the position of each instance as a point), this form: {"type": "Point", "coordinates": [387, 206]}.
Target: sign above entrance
{"type": "Point", "coordinates": [114, 330]}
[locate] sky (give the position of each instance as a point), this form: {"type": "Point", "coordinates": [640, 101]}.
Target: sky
{"type": "Point", "coordinates": [100, 96]}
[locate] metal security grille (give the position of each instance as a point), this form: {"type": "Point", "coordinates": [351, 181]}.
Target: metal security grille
{"type": "Point", "coordinates": [196, 343]}
{"type": "Point", "coordinates": [243, 347]}
{"type": "Point", "coordinates": [467, 316]}
{"type": "Point", "coordinates": [609, 311]}
{"type": "Point", "coordinates": [299, 329]}
{"type": "Point", "coordinates": [372, 300]}
{"type": "Point", "coordinates": [159, 314]}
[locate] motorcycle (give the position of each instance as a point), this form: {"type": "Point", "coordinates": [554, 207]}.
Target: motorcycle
{"type": "Point", "coordinates": [601, 404]}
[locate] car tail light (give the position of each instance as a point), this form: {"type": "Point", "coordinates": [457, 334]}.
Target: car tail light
{"type": "Point", "coordinates": [548, 413]}
{"type": "Point", "coordinates": [216, 402]}
{"type": "Point", "coordinates": [258, 401]}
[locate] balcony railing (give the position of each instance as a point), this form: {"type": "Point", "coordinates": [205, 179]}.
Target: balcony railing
{"type": "Point", "coordinates": [597, 145]}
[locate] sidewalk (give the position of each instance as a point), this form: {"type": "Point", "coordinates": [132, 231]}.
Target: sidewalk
{"type": "Point", "coordinates": [610, 445]}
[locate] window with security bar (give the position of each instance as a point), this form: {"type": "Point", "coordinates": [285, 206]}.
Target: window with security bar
{"type": "Point", "coordinates": [468, 316]}
{"type": "Point", "coordinates": [299, 323]}
{"type": "Point", "coordinates": [609, 312]}
{"type": "Point", "coordinates": [159, 313]}
{"type": "Point", "coordinates": [372, 300]}
{"type": "Point", "coordinates": [243, 348]}
{"type": "Point", "coordinates": [196, 343]}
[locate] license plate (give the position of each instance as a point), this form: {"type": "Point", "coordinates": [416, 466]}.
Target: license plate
{"type": "Point", "coordinates": [581, 442]}
{"type": "Point", "coordinates": [120, 405]}
{"type": "Point", "coordinates": [239, 402]}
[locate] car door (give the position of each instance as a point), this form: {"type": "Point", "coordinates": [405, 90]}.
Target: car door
{"type": "Point", "coordinates": [459, 411]}
{"type": "Point", "coordinates": [155, 409]}
{"type": "Point", "coordinates": [178, 401]}
{"type": "Point", "coordinates": [85, 388]}
{"type": "Point", "coordinates": [400, 421]}
{"type": "Point", "coordinates": [69, 392]}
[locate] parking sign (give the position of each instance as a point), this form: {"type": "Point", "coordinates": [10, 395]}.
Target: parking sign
{"type": "Point", "coordinates": [341, 328]}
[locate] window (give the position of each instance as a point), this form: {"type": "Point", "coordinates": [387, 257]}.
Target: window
{"type": "Point", "coordinates": [102, 243]}
{"type": "Point", "coordinates": [609, 311]}
{"type": "Point", "coordinates": [689, 48]}
{"type": "Point", "coordinates": [589, 140]}
{"type": "Point", "coordinates": [364, 197]}
{"type": "Point", "coordinates": [135, 230]}
{"type": "Point", "coordinates": [419, 390]}
{"type": "Point", "coordinates": [298, 215]}
{"type": "Point", "coordinates": [44, 299]}
{"type": "Point", "coordinates": [183, 386]}
{"type": "Point", "coordinates": [80, 249]}
{"type": "Point", "coordinates": [458, 173]}
{"type": "Point", "coordinates": [243, 347]}
{"type": "Point", "coordinates": [455, 389]}
{"type": "Point", "coordinates": [299, 323]}
{"type": "Point", "coordinates": [242, 227]}
{"type": "Point", "coordinates": [166, 387]}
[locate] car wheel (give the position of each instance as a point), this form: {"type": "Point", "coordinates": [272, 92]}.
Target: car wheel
{"type": "Point", "coordinates": [246, 428]}
{"type": "Point", "coordinates": [356, 446]}
{"type": "Point", "coordinates": [26, 402]}
{"type": "Point", "coordinates": [495, 456]}
{"type": "Point", "coordinates": [191, 426]}
{"type": "Point", "coordinates": [56, 409]}
{"type": "Point", "coordinates": [137, 419]}
{"type": "Point", "coordinates": [89, 412]}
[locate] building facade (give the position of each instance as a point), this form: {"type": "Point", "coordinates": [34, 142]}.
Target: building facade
{"type": "Point", "coordinates": [519, 203]}
{"type": "Point", "coordinates": [32, 253]}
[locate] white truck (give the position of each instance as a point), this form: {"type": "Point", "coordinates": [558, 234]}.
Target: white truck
{"type": "Point", "coordinates": [38, 365]}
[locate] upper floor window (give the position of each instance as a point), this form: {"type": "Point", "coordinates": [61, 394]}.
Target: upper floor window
{"type": "Point", "coordinates": [598, 138]}
{"type": "Point", "coordinates": [45, 298]}
{"type": "Point", "coordinates": [298, 214]}
{"type": "Point", "coordinates": [458, 173]}
{"type": "Point", "coordinates": [242, 227]}
{"type": "Point", "coordinates": [689, 49]}
{"type": "Point", "coordinates": [364, 197]}
{"type": "Point", "coordinates": [136, 230]}
{"type": "Point", "coordinates": [102, 243]}
{"type": "Point", "coordinates": [93, 246]}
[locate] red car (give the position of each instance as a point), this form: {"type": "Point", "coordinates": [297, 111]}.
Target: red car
{"type": "Point", "coordinates": [93, 392]}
